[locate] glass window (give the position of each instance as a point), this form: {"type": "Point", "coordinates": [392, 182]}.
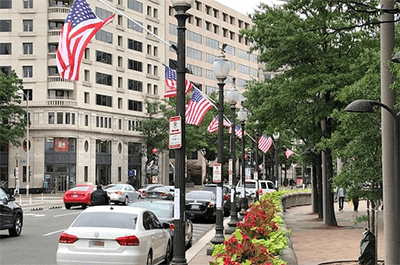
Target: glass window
{"type": "Point", "coordinates": [86, 120]}
{"type": "Point", "coordinates": [51, 118]}
{"type": "Point", "coordinates": [135, 85]}
{"type": "Point", "coordinates": [28, 3]}
{"type": "Point", "coordinates": [135, 45]}
{"type": "Point", "coordinates": [135, 65]}
{"type": "Point", "coordinates": [104, 57]}
{"type": "Point", "coordinates": [135, 5]}
{"type": "Point", "coordinates": [106, 219]}
{"type": "Point", "coordinates": [104, 36]}
{"type": "Point", "coordinates": [103, 100]}
{"type": "Point", "coordinates": [27, 71]}
{"type": "Point", "coordinates": [53, 47]}
{"type": "Point", "coordinates": [102, 13]}
{"type": "Point", "coordinates": [60, 116]}
{"type": "Point", "coordinates": [27, 48]}
{"type": "Point", "coordinates": [5, 48]}
{"type": "Point", "coordinates": [135, 105]}
{"type": "Point", "coordinates": [135, 26]}
{"type": "Point", "coordinates": [5, 4]}
{"type": "Point", "coordinates": [103, 79]}
{"type": "Point", "coordinates": [27, 25]}
{"type": "Point", "coordinates": [5, 25]}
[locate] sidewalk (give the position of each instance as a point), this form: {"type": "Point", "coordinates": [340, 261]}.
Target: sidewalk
{"type": "Point", "coordinates": [313, 242]}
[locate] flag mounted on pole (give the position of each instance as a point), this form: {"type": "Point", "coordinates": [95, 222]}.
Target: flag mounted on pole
{"type": "Point", "coordinates": [238, 131]}
{"type": "Point", "coordinates": [289, 153]}
{"type": "Point", "coordinates": [170, 81]}
{"type": "Point", "coordinates": [197, 108]}
{"type": "Point", "coordinates": [213, 126]}
{"type": "Point", "coordinates": [264, 143]}
{"type": "Point", "coordinates": [80, 26]}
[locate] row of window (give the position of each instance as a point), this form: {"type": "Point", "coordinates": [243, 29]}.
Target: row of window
{"type": "Point", "coordinates": [7, 4]}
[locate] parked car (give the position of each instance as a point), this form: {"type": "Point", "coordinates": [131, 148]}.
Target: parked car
{"type": "Point", "coordinates": [122, 193]}
{"type": "Point", "coordinates": [226, 195]}
{"type": "Point", "coordinates": [11, 214]}
{"type": "Point", "coordinates": [164, 210]}
{"type": "Point", "coordinates": [253, 186]}
{"type": "Point", "coordinates": [163, 192]}
{"type": "Point", "coordinates": [115, 235]}
{"type": "Point", "coordinates": [148, 186]}
{"type": "Point", "coordinates": [78, 196]}
{"type": "Point", "coordinates": [201, 203]}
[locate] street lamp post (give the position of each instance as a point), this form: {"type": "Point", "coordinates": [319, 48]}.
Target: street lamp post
{"type": "Point", "coordinates": [179, 254]}
{"type": "Point", "coordinates": [242, 115]}
{"type": "Point", "coordinates": [276, 175]}
{"type": "Point", "coordinates": [391, 188]}
{"type": "Point", "coordinates": [233, 96]}
{"type": "Point", "coordinates": [26, 96]}
{"type": "Point", "coordinates": [221, 68]}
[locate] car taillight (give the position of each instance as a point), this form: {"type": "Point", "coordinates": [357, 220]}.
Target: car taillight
{"type": "Point", "coordinates": [119, 193]}
{"type": "Point", "coordinates": [128, 241]}
{"type": "Point", "coordinates": [144, 194]}
{"type": "Point", "coordinates": [164, 194]}
{"type": "Point", "coordinates": [67, 238]}
{"type": "Point", "coordinates": [171, 226]}
{"type": "Point", "coordinates": [210, 205]}
{"type": "Point", "coordinates": [259, 191]}
{"type": "Point", "coordinates": [226, 197]}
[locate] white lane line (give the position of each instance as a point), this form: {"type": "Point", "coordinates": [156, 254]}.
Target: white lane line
{"type": "Point", "coordinates": [65, 214]}
{"type": "Point", "coordinates": [55, 232]}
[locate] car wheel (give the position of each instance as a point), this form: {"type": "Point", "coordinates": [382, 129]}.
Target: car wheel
{"type": "Point", "coordinates": [17, 227]}
{"type": "Point", "coordinates": [168, 254]}
{"type": "Point", "coordinates": [149, 259]}
{"type": "Point", "coordinates": [126, 201]}
{"type": "Point", "coordinates": [67, 206]}
{"type": "Point", "coordinates": [190, 244]}
{"type": "Point", "coordinates": [84, 206]}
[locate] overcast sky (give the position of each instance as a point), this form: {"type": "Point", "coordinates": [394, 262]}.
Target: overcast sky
{"type": "Point", "coordinates": [246, 6]}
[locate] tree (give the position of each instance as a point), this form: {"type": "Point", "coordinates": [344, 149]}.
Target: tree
{"type": "Point", "coordinates": [12, 116]}
{"type": "Point", "coordinates": [318, 44]}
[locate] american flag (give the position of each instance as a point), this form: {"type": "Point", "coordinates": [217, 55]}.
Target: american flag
{"type": "Point", "coordinates": [238, 131]}
{"type": "Point", "coordinates": [264, 143]}
{"type": "Point", "coordinates": [80, 26]}
{"type": "Point", "coordinates": [170, 81]}
{"type": "Point", "coordinates": [213, 126]}
{"type": "Point", "coordinates": [197, 108]}
{"type": "Point", "coordinates": [289, 153]}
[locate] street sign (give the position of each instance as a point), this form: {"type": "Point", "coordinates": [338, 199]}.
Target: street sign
{"type": "Point", "coordinates": [230, 172]}
{"type": "Point", "coordinates": [217, 173]}
{"type": "Point", "coordinates": [175, 133]}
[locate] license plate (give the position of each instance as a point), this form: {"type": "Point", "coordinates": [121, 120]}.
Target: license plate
{"type": "Point", "coordinates": [195, 207]}
{"type": "Point", "coordinates": [75, 195]}
{"type": "Point", "coordinates": [96, 243]}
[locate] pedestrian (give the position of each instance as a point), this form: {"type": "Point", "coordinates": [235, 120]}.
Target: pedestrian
{"type": "Point", "coordinates": [355, 203]}
{"type": "Point", "coordinates": [99, 197]}
{"type": "Point", "coordinates": [341, 196]}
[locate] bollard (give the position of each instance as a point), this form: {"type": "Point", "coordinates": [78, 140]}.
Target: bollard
{"type": "Point", "coordinates": [30, 200]}
{"type": "Point", "coordinates": [42, 196]}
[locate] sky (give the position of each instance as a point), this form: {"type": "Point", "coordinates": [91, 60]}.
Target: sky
{"type": "Point", "coordinates": [247, 6]}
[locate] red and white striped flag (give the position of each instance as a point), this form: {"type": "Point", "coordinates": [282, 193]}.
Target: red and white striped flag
{"type": "Point", "coordinates": [170, 81]}
{"type": "Point", "coordinates": [264, 143]}
{"type": "Point", "coordinates": [213, 126]}
{"type": "Point", "coordinates": [80, 26]}
{"type": "Point", "coordinates": [238, 131]}
{"type": "Point", "coordinates": [197, 108]}
{"type": "Point", "coordinates": [289, 153]}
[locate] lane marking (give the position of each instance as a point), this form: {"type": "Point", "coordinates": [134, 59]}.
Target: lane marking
{"type": "Point", "coordinates": [65, 214]}
{"type": "Point", "coordinates": [55, 232]}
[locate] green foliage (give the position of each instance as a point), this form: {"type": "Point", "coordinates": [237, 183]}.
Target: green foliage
{"type": "Point", "coordinates": [12, 116]}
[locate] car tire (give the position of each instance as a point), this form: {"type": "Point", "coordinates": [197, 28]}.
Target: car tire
{"type": "Point", "coordinates": [17, 226]}
{"type": "Point", "coordinates": [167, 259]}
{"type": "Point", "coordinates": [84, 206]}
{"type": "Point", "coordinates": [149, 259]}
{"type": "Point", "coordinates": [190, 244]}
{"type": "Point", "coordinates": [67, 206]}
{"type": "Point", "coordinates": [126, 201]}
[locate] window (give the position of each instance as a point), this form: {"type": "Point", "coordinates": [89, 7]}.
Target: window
{"type": "Point", "coordinates": [135, 85]}
{"type": "Point", "coordinates": [53, 47]}
{"type": "Point", "coordinates": [55, 24]}
{"type": "Point", "coordinates": [120, 20]}
{"type": "Point", "coordinates": [104, 57]}
{"type": "Point", "coordinates": [27, 71]}
{"type": "Point", "coordinates": [85, 173]}
{"type": "Point", "coordinates": [103, 79]}
{"type": "Point", "coordinates": [27, 48]}
{"type": "Point", "coordinates": [58, 94]}
{"type": "Point", "coordinates": [86, 120]}
{"type": "Point", "coordinates": [104, 36]}
{"type": "Point", "coordinates": [155, 13]}
{"type": "Point", "coordinates": [135, 26]}
{"type": "Point", "coordinates": [5, 69]}
{"type": "Point", "coordinates": [212, 43]}
{"type": "Point", "coordinates": [120, 40]}
{"type": "Point", "coordinates": [120, 80]}
{"type": "Point", "coordinates": [28, 3]}
{"type": "Point", "coordinates": [86, 97]}
{"type": "Point", "coordinates": [53, 71]}
{"type": "Point", "coordinates": [119, 174]}
{"type": "Point", "coordinates": [243, 54]}
{"type": "Point", "coordinates": [5, 48]}
{"type": "Point", "coordinates": [197, 71]}
{"type": "Point", "coordinates": [5, 4]}
{"type": "Point", "coordinates": [120, 124]}
{"type": "Point", "coordinates": [210, 58]}
{"type": "Point", "coordinates": [86, 55]}
{"type": "Point", "coordinates": [120, 103]}
{"type": "Point", "coordinates": [5, 25]}
{"type": "Point", "coordinates": [27, 25]}
{"type": "Point", "coordinates": [51, 117]}
{"type": "Point", "coordinates": [60, 116]}
{"type": "Point", "coordinates": [28, 93]}
{"type": "Point", "coordinates": [135, 45]}
{"type": "Point", "coordinates": [67, 118]}
{"type": "Point", "coordinates": [173, 29]}
{"type": "Point", "coordinates": [103, 100]}
{"type": "Point", "coordinates": [135, 65]}
{"type": "Point", "coordinates": [135, 5]}
{"type": "Point", "coordinates": [155, 89]}
{"type": "Point", "coordinates": [244, 69]}
{"type": "Point", "coordinates": [135, 105]}
{"type": "Point", "coordinates": [194, 53]}
{"type": "Point", "coordinates": [102, 13]}
{"type": "Point", "coordinates": [86, 74]}
{"type": "Point", "coordinates": [198, 21]}
{"type": "Point", "coordinates": [193, 36]}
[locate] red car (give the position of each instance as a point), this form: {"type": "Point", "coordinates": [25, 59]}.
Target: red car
{"type": "Point", "coordinates": [78, 196]}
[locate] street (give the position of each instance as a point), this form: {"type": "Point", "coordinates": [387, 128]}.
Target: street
{"type": "Point", "coordinates": [42, 228]}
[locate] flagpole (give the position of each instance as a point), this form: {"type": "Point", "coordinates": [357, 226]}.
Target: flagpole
{"type": "Point", "coordinates": [134, 21]}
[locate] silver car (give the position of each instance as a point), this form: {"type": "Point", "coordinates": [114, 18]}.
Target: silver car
{"type": "Point", "coordinates": [122, 193]}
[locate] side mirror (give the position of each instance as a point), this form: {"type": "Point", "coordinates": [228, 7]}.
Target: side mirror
{"type": "Point", "coordinates": [165, 225]}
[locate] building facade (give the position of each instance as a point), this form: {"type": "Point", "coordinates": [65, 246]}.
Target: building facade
{"type": "Point", "coordinates": [85, 131]}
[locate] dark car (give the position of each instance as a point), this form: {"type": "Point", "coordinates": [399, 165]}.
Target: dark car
{"type": "Point", "coordinates": [163, 192]}
{"type": "Point", "coordinates": [164, 210]}
{"type": "Point", "coordinates": [226, 194]}
{"type": "Point", "coordinates": [201, 203]}
{"type": "Point", "coordinates": [11, 214]}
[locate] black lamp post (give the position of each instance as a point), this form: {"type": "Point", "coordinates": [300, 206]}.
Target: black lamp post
{"type": "Point", "coordinates": [276, 175]}
{"type": "Point", "coordinates": [242, 115]}
{"type": "Point", "coordinates": [233, 96]}
{"type": "Point", "coordinates": [221, 70]}
{"type": "Point", "coordinates": [179, 255]}
{"type": "Point", "coordinates": [391, 188]}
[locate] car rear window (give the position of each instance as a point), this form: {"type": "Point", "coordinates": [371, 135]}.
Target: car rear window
{"type": "Point", "coordinates": [199, 195]}
{"type": "Point", "coordinates": [161, 210]}
{"type": "Point", "coordinates": [115, 187]}
{"type": "Point", "coordinates": [82, 188]}
{"type": "Point", "coordinates": [106, 219]}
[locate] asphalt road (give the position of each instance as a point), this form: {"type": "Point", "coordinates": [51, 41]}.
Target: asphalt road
{"type": "Point", "coordinates": [42, 228]}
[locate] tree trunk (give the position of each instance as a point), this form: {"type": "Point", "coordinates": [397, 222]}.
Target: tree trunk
{"type": "Point", "coordinates": [330, 218]}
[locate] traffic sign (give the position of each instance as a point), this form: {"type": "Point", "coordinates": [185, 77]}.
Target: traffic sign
{"type": "Point", "coordinates": [217, 173]}
{"type": "Point", "coordinates": [175, 132]}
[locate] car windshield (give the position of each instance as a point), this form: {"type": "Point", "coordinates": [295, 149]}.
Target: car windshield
{"type": "Point", "coordinates": [106, 219]}
{"type": "Point", "coordinates": [249, 185]}
{"type": "Point", "coordinates": [114, 187]}
{"type": "Point", "coordinates": [161, 210]}
{"type": "Point", "coordinates": [162, 189]}
{"type": "Point", "coordinates": [210, 188]}
{"type": "Point", "coordinates": [82, 188]}
{"type": "Point", "coordinates": [199, 195]}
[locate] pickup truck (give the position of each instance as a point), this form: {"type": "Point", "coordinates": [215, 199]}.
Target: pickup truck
{"type": "Point", "coordinates": [254, 187]}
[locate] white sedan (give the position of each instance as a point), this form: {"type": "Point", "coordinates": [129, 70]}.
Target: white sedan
{"type": "Point", "coordinates": [115, 235]}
